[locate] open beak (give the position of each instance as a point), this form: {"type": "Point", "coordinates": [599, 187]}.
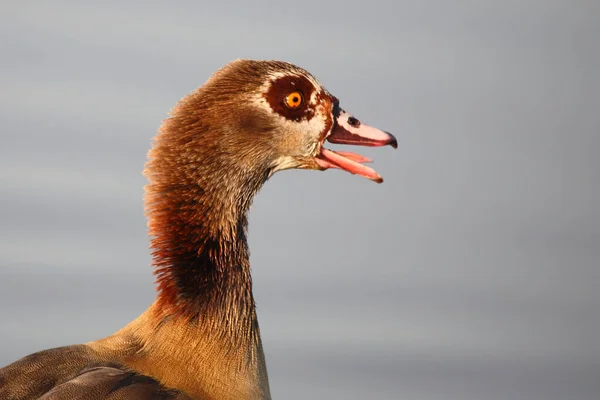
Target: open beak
{"type": "Point", "coordinates": [349, 130]}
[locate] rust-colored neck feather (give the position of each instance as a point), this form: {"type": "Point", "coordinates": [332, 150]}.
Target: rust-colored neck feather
{"type": "Point", "coordinates": [201, 184]}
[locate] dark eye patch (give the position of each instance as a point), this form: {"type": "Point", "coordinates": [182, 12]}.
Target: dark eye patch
{"type": "Point", "coordinates": [285, 85]}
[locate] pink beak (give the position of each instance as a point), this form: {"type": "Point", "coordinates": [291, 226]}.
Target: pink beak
{"type": "Point", "coordinates": [349, 130]}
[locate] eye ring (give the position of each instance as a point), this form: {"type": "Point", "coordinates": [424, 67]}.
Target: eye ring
{"type": "Point", "coordinates": [294, 100]}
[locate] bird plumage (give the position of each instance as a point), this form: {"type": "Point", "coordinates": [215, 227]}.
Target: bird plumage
{"type": "Point", "coordinates": [200, 339]}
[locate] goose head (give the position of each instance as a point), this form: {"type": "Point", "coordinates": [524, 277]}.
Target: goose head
{"type": "Point", "coordinates": [254, 118]}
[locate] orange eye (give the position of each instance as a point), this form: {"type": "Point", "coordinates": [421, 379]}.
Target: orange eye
{"type": "Point", "coordinates": [293, 100]}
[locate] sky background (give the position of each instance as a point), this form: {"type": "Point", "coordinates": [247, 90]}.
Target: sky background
{"type": "Point", "coordinates": [471, 273]}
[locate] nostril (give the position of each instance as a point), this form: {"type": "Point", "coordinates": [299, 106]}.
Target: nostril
{"type": "Point", "coordinates": [353, 122]}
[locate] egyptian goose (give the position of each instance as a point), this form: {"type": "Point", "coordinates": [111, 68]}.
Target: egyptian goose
{"type": "Point", "coordinates": [200, 339]}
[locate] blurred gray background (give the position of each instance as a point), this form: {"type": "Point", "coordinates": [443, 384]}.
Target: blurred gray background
{"type": "Point", "coordinates": [471, 273]}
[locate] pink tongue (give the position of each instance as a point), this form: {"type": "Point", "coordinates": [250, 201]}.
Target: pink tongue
{"type": "Point", "coordinates": [349, 162]}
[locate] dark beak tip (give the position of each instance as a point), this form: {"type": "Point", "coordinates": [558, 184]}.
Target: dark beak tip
{"type": "Point", "coordinates": [393, 141]}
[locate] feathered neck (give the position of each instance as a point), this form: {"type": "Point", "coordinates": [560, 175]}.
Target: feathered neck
{"type": "Point", "coordinates": [197, 202]}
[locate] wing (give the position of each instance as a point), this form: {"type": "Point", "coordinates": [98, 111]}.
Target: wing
{"type": "Point", "coordinates": [76, 373]}
{"type": "Point", "coordinates": [109, 383]}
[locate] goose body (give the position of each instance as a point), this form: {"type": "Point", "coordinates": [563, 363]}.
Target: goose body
{"type": "Point", "coordinates": [200, 339]}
